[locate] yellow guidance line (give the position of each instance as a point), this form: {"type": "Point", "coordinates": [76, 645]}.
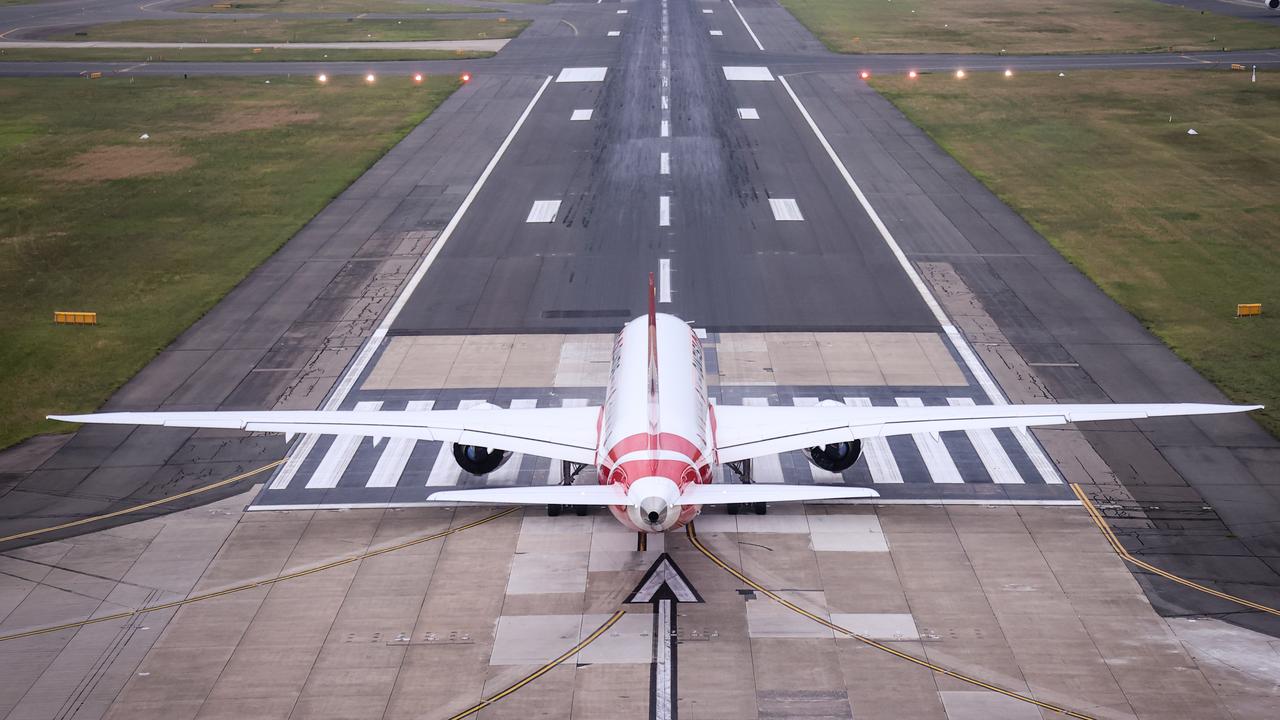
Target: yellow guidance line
{"type": "Point", "coordinates": [260, 583]}
{"type": "Point", "coordinates": [693, 538]}
{"type": "Point", "coordinates": [1101, 522]}
{"type": "Point", "coordinates": [143, 506]}
{"type": "Point", "coordinates": [544, 669]}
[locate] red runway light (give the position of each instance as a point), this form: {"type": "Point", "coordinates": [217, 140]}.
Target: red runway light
{"type": "Point", "coordinates": [864, 74]}
{"type": "Point", "coordinates": [417, 77]}
{"type": "Point", "coordinates": [466, 77]}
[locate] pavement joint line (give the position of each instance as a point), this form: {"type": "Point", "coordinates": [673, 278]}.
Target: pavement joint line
{"type": "Point", "coordinates": [746, 25]}
{"type": "Point", "coordinates": [485, 703]}
{"type": "Point", "coordinates": [259, 583]}
{"type": "Point", "coordinates": [693, 538]}
{"type": "Point", "coordinates": [143, 506]}
{"type": "Point", "coordinates": [985, 380]}
{"type": "Point", "coordinates": [1124, 554]}
{"type": "Point", "coordinates": [371, 345]}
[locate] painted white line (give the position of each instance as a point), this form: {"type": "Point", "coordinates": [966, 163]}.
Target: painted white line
{"type": "Point", "coordinates": [664, 164]}
{"type": "Point", "coordinates": [971, 361]}
{"type": "Point", "coordinates": [665, 130]}
{"type": "Point", "coordinates": [766, 468]}
{"type": "Point", "coordinates": [707, 11]}
{"type": "Point", "coordinates": [395, 458]}
{"type": "Point", "coordinates": [748, 114]}
{"type": "Point", "coordinates": [664, 280]}
{"type": "Point", "coordinates": [581, 74]}
{"type": "Point", "coordinates": [785, 209]}
{"type": "Point", "coordinates": [370, 347]}
{"type": "Point", "coordinates": [664, 211]}
{"type": "Point", "coordinates": [581, 114]}
{"type": "Point", "coordinates": [750, 32]}
{"type": "Point", "coordinates": [820, 476]}
{"type": "Point", "coordinates": [880, 460]}
{"type": "Point", "coordinates": [543, 211]}
{"type": "Point", "coordinates": [446, 471]}
{"type": "Point", "coordinates": [717, 33]}
{"type": "Point", "coordinates": [942, 469]}
{"type": "Point", "coordinates": [990, 451]}
{"type": "Point", "coordinates": [339, 456]}
{"type": "Point", "coordinates": [755, 73]}
{"type": "Point", "coordinates": [614, 33]}
{"type": "Point", "coordinates": [666, 102]}
{"type": "Point", "coordinates": [509, 473]}
{"type": "Point", "coordinates": [622, 12]}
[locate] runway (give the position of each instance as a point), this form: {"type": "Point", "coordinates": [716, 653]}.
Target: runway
{"type": "Point", "coordinates": [484, 235]}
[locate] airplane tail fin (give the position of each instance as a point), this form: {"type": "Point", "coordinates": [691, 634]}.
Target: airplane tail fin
{"type": "Point", "coordinates": [653, 357]}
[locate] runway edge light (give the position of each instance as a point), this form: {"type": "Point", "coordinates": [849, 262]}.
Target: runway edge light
{"type": "Point", "coordinates": [465, 77]}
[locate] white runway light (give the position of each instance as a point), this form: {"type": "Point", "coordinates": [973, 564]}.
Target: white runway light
{"type": "Point", "coordinates": [370, 78]}
{"type": "Point", "coordinates": [322, 78]}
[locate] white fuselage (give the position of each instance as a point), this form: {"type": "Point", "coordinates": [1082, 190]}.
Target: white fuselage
{"type": "Point", "coordinates": [655, 443]}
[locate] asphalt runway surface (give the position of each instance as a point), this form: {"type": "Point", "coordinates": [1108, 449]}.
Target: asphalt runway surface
{"type": "Point", "coordinates": [1193, 496]}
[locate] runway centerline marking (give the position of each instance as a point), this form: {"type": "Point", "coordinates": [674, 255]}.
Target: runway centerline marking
{"type": "Point", "coordinates": [664, 163]}
{"type": "Point", "coordinates": [664, 280]}
{"type": "Point", "coordinates": [664, 211]}
{"type": "Point", "coordinates": [371, 345]}
{"type": "Point", "coordinates": [543, 211]}
{"type": "Point", "coordinates": [988, 384]}
{"type": "Point", "coordinates": [748, 114]}
{"type": "Point", "coordinates": [785, 209]}
{"type": "Point", "coordinates": [581, 114]}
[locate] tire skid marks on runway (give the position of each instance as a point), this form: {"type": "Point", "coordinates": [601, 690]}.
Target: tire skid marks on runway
{"type": "Point", "coordinates": [883, 465]}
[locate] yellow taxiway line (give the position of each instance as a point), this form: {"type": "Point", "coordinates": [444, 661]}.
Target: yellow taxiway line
{"type": "Point", "coordinates": [1101, 522]}
{"type": "Point", "coordinates": [260, 583]}
{"type": "Point", "coordinates": [544, 669]}
{"type": "Point", "coordinates": [693, 538]}
{"type": "Point", "coordinates": [143, 506]}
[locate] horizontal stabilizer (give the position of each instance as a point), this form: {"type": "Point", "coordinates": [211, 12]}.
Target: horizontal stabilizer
{"type": "Point", "coordinates": [538, 495]}
{"type": "Point", "coordinates": [726, 493]}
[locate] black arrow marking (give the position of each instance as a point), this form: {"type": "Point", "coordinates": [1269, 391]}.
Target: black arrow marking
{"type": "Point", "coordinates": [664, 586]}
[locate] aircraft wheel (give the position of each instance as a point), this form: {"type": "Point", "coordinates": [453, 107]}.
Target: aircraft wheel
{"type": "Point", "coordinates": [733, 508]}
{"type": "Point", "coordinates": [581, 510]}
{"type": "Point", "coordinates": [759, 508]}
{"type": "Point", "coordinates": [553, 511]}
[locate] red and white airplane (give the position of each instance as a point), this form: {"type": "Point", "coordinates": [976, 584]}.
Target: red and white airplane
{"type": "Point", "coordinates": [657, 440]}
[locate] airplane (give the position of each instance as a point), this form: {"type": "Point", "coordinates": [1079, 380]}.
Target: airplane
{"type": "Point", "coordinates": [657, 440]}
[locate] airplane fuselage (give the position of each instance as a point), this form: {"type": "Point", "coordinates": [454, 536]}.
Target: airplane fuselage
{"type": "Point", "coordinates": [656, 428]}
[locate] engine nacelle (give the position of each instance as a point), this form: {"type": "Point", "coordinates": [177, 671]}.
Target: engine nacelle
{"type": "Point", "coordinates": [837, 457]}
{"type": "Point", "coordinates": [479, 460]}
{"type": "Point", "coordinates": [1273, 4]}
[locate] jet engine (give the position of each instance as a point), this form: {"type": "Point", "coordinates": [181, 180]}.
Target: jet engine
{"type": "Point", "coordinates": [1273, 4]}
{"type": "Point", "coordinates": [479, 460]}
{"type": "Point", "coordinates": [837, 457]}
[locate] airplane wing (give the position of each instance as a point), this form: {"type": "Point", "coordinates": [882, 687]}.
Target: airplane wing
{"type": "Point", "coordinates": [557, 433]}
{"type": "Point", "coordinates": [744, 432]}
{"type": "Point", "coordinates": [717, 494]}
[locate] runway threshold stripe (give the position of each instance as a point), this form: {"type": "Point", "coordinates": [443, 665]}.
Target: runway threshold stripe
{"type": "Point", "coordinates": [990, 451]}
{"type": "Point", "coordinates": [881, 463]}
{"type": "Point", "coordinates": [1102, 524]}
{"type": "Point", "coordinates": [693, 539]}
{"type": "Point", "coordinates": [259, 583]}
{"type": "Point", "coordinates": [942, 469]}
{"type": "Point", "coordinates": [544, 669]}
{"type": "Point", "coordinates": [344, 447]}
{"type": "Point", "coordinates": [395, 457]}
{"type": "Point", "coordinates": [144, 506]}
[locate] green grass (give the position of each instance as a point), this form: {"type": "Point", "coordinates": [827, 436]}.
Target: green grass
{"type": "Point", "coordinates": [226, 55]}
{"type": "Point", "coordinates": [1177, 228]}
{"type": "Point", "coordinates": [248, 164]}
{"type": "Point", "coordinates": [389, 7]}
{"type": "Point", "coordinates": [299, 30]}
{"type": "Point", "coordinates": [992, 26]}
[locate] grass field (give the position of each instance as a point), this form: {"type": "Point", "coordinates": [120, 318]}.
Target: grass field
{"type": "Point", "coordinates": [290, 30]}
{"type": "Point", "coordinates": [1177, 228]}
{"type": "Point", "coordinates": [150, 234]}
{"type": "Point", "coordinates": [389, 7]}
{"type": "Point", "coordinates": [227, 55]}
{"type": "Point", "coordinates": [992, 26]}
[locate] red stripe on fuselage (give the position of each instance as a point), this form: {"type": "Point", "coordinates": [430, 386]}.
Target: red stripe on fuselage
{"type": "Point", "coordinates": [661, 441]}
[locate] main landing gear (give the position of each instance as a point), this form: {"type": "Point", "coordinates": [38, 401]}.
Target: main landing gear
{"type": "Point", "coordinates": [568, 471]}
{"type": "Point", "coordinates": [742, 469]}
